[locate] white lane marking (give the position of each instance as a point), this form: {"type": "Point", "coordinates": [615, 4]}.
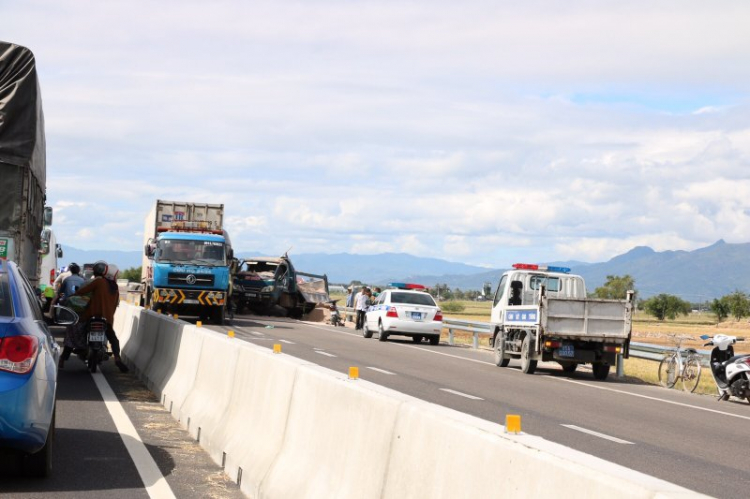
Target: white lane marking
{"type": "Point", "coordinates": [597, 434]}
{"type": "Point", "coordinates": [647, 397]}
{"type": "Point", "coordinates": [381, 371]}
{"type": "Point", "coordinates": [287, 342]}
{"type": "Point", "coordinates": [324, 353]}
{"type": "Point", "coordinates": [155, 483]}
{"type": "Point", "coordinates": [454, 392]}
{"type": "Point", "coordinates": [256, 333]}
{"type": "Point", "coordinates": [557, 378]}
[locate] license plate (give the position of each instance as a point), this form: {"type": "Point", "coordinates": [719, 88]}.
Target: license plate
{"type": "Point", "coordinates": [251, 294]}
{"type": "Point", "coordinates": [566, 351]}
{"type": "Point", "coordinates": [417, 316]}
{"type": "Point", "coordinates": [97, 337]}
{"type": "Point", "coordinates": [190, 301]}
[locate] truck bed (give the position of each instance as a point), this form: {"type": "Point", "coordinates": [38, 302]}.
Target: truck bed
{"type": "Point", "coordinates": [587, 319]}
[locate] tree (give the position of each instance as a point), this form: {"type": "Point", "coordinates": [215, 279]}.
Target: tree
{"type": "Point", "coordinates": [616, 287]}
{"type": "Point", "coordinates": [720, 308]}
{"type": "Point", "coordinates": [132, 274]}
{"type": "Point", "coordinates": [666, 306]}
{"type": "Point", "coordinates": [738, 303]}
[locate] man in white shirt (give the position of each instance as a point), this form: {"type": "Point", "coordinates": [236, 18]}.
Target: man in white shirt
{"type": "Point", "coordinates": [363, 302]}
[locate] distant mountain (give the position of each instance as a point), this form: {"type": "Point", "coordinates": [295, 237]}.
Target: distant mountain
{"type": "Point", "coordinates": [696, 276]}
{"type": "Point", "coordinates": [123, 259]}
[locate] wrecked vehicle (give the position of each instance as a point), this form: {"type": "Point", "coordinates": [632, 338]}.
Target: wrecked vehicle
{"type": "Point", "coordinates": [261, 283]}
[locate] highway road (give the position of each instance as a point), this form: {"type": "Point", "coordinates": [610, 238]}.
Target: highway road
{"type": "Point", "coordinates": [690, 440]}
{"type": "Point", "coordinates": [93, 454]}
{"type": "Point", "coordinates": [687, 439]}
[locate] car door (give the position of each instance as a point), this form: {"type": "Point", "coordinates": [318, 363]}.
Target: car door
{"type": "Point", "coordinates": [374, 312]}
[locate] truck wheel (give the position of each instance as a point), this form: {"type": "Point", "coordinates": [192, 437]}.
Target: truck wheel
{"type": "Point", "coordinates": [499, 349]}
{"type": "Point", "coordinates": [528, 366]}
{"type": "Point", "coordinates": [218, 316]}
{"type": "Point", "coordinates": [601, 370]}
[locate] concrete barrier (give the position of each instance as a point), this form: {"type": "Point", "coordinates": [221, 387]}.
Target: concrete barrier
{"type": "Point", "coordinates": [287, 428]}
{"type": "Point", "coordinates": [209, 397]}
{"type": "Point", "coordinates": [164, 358]}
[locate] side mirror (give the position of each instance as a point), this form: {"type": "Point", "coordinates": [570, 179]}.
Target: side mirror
{"type": "Point", "coordinates": [148, 250]}
{"type": "Point", "coordinates": [47, 215]}
{"type": "Point", "coordinates": [59, 251]}
{"type": "Point", "coordinates": [64, 316]}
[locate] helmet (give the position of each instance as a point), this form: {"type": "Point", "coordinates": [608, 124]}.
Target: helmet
{"type": "Point", "coordinates": [100, 268]}
{"type": "Point", "coordinates": [74, 268]}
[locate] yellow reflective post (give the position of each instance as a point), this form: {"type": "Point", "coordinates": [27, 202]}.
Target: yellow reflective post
{"type": "Point", "coordinates": [354, 372]}
{"type": "Point", "coordinates": [198, 323]}
{"type": "Point", "coordinates": [277, 348]}
{"type": "Point", "coordinates": [230, 333]}
{"type": "Point", "coordinates": [512, 423]}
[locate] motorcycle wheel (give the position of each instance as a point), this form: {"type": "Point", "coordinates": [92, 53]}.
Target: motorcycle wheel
{"type": "Point", "coordinates": [91, 362]}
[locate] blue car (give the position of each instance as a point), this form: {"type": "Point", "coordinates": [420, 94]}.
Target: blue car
{"type": "Point", "coordinates": [28, 374]}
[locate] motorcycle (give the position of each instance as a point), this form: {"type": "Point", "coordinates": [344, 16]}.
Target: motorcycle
{"type": "Point", "coordinates": [335, 314]}
{"type": "Point", "coordinates": [731, 372]}
{"type": "Point", "coordinates": [88, 341]}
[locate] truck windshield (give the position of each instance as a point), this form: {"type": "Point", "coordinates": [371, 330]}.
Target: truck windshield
{"type": "Point", "coordinates": [190, 252]}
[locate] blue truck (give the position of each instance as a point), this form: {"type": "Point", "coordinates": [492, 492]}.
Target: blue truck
{"type": "Point", "coordinates": [187, 260]}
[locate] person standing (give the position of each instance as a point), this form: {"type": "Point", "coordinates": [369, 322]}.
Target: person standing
{"type": "Point", "coordinates": [363, 302]}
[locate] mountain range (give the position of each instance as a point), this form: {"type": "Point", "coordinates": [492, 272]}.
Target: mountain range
{"type": "Point", "coordinates": [696, 276]}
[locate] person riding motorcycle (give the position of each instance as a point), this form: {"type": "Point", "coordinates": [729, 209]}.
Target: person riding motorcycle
{"type": "Point", "coordinates": [105, 297]}
{"type": "Point", "coordinates": [70, 284]}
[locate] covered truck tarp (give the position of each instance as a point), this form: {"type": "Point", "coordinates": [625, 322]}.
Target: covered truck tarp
{"type": "Point", "coordinates": [21, 119]}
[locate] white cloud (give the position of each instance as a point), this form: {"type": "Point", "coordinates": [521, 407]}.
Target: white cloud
{"type": "Point", "coordinates": [481, 131]}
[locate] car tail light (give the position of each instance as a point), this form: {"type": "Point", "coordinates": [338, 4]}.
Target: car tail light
{"type": "Point", "coordinates": [612, 348]}
{"type": "Point", "coordinates": [438, 316]}
{"type": "Point", "coordinates": [18, 353]}
{"type": "Point", "coordinates": [52, 276]}
{"type": "Point", "coordinates": [552, 344]}
{"type": "Point", "coordinates": [392, 312]}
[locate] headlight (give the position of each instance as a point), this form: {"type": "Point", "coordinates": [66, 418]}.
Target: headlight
{"type": "Point", "coordinates": [266, 289]}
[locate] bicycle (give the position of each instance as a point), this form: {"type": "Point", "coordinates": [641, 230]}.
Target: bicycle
{"type": "Point", "coordinates": [675, 366]}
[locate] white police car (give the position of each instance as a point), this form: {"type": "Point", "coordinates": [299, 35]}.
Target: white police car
{"type": "Point", "coordinates": [405, 310]}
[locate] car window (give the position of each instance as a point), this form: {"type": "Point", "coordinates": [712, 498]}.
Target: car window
{"type": "Point", "coordinates": [412, 299]}
{"type": "Point", "coordinates": [552, 283]}
{"type": "Point", "coordinates": [6, 303]}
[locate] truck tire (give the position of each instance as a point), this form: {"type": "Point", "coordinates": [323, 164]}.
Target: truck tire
{"type": "Point", "coordinates": [600, 370]}
{"type": "Point", "coordinates": [217, 316]}
{"type": "Point", "coordinates": [499, 350]}
{"type": "Point", "coordinates": [528, 366]}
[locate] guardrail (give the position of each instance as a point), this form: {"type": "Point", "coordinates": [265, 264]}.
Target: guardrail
{"type": "Point", "coordinates": [477, 328]}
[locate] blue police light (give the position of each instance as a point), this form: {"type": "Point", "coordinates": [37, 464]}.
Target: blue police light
{"type": "Point", "coordinates": [563, 270]}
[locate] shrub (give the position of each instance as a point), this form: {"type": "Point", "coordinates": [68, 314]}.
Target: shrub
{"type": "Point", "coordinates": [452, 306]}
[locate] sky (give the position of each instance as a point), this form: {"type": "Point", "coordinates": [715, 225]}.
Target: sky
{"type": "Point", "coordinates": [482, 132]}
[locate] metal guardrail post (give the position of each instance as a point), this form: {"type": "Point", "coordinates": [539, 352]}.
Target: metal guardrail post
{"type": "Point", "coordinates": [450, 336]}
{"type": "Point", "coordinates": [620, 366]}
{"type": "Point", "coordinates": [476, 340]}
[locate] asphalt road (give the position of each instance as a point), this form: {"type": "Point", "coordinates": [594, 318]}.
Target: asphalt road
{"type": "Point", "coordinates": [90, 456]}
{"type": "Point", "coordinates": [690, 440]}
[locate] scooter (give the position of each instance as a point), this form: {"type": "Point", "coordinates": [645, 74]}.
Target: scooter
{"type": "Point", "coordinates": [731, 372]}
{"type": "Point", "coordinates": [335, 315]}
{"type": "Point", "coordinates": [96, 338]}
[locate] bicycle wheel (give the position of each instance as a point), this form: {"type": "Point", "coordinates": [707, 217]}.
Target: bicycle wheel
{"type": "Point", "coordinates": [668, 371]}
{"type": "Point", "coordinates": [691, 373]}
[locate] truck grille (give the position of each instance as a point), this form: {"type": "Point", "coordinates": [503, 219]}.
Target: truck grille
{"type": "Point", "coordinates": [182, 279]}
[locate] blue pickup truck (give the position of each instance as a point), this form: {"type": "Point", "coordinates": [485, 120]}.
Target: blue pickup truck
{"type": "Point", "coordinates": [187, 260]}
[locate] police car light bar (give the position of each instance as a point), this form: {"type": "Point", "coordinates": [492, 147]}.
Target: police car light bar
{"type": "Point", "coordinates": [544, 268]}
{"type": "Point", "coordinates": [403, 285]}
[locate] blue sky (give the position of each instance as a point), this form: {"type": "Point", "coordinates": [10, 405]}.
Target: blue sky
{"type": "Point", "coordinates": [483, 132]}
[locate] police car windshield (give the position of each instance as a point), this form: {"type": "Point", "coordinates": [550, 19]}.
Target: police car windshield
{"type": "Point", "coordinates": [187, 251]}
{"type": "Point", "coordinates": [6, 307]}
{"type": "Point", "coordinates": [412, 298]}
